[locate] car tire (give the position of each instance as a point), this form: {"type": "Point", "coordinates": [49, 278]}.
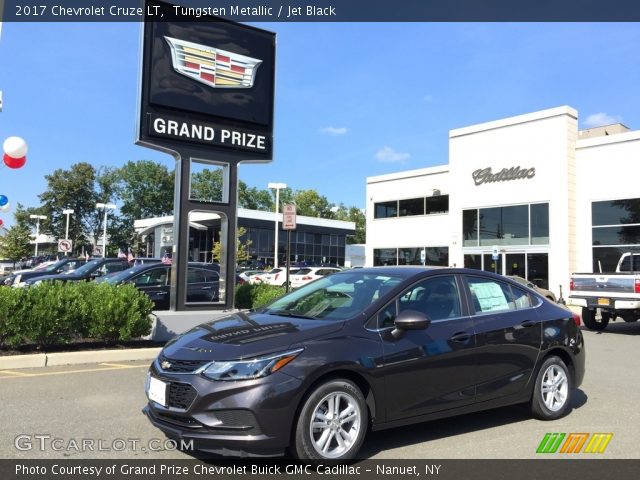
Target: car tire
{"type": "Point", "coordinates": [592, 323]}
{"type": "Point", "coordinates": [552, 390]}
{"type": "Point", "coordinates": [320, 432]}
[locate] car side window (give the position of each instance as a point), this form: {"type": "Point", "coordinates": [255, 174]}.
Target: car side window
{"type": "Point", "coordinates": [155, 277]}
{"type": "Point", "coordinates": [437, 297]}
{"type": "Point", "coordinates": [387, 316]}
{"type": "Point", "coordinates": [490, 295]}
{"type": "Point", "coordinates": [521, 298]}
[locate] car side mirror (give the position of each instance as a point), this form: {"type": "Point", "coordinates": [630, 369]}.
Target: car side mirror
{"type": "Point", "coordinates": [409, 320]}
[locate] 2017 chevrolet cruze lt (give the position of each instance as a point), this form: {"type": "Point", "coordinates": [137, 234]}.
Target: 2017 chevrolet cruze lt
{"type": "Point", "coordinates": [364, 349]}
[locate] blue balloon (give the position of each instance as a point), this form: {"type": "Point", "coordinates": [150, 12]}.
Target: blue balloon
{"type": "Point", "coordinates": [3, 200]}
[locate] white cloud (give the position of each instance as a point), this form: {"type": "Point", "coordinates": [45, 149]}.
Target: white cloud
{"type": "Point", "coordinates": [389, 155]}
{"type": "Point", "coordinates": [601, 119]}
{"type": "Point", "coordinates": [334, 130]}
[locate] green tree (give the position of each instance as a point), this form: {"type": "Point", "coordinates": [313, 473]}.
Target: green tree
{"type": "Point", "coordinates": [15, 243]}
{"type": "Point", "coordinates": [311, 204]}
{"type": "Point", "coordinates": [145, 189]}
{"type": "Point", "coordinates": [73, 188]}
{"type": "Point", "coordinates": [355, 215]}
{"type": "Point", "coordinates": [254, 198]}
{"type": "Point", "coordinates": [242, 248]}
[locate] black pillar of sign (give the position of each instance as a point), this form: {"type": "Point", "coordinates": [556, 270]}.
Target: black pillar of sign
{"type": "Point", "coordinates": [183, 205]}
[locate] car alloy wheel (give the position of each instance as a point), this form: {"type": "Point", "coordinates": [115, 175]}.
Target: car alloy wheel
{"type": "Point", "coordinates": [555, 388]}
{"type": "Point", "coordinates": [332, 422]}
{"type": "Point", "coordinates": [552, 392]}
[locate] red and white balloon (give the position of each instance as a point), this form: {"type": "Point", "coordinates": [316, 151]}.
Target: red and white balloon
{"type": "Point", "coordinates": [15, 152]}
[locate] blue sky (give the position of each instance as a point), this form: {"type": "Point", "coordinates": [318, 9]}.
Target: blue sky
{"type": "Point", "coordinates": [352, 100]}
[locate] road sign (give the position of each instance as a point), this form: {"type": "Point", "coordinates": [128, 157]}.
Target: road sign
{"type": "Point", "coordinates": [495, 252]}
{"type": "Point", "coordinates": [65, 246]}
{"type": "Point", "coordinates": [423, 256]}
{"type": "Point", "coordinates": [97, 250]}
{"type": "Point", "coordinates": [289, 216]}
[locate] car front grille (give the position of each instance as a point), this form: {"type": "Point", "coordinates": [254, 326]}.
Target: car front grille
{"type": "Point", "coordinates": [181, 395]}
{"type": "Point", "coordinates": [180, 366]}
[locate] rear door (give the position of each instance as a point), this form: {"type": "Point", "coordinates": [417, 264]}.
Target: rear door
{"type": "Point", "coordinates": [155, 283]}
{"type": "Point", "coordinates": [509, 335]}
{"type": "Point", "coordinates": [432, 369]}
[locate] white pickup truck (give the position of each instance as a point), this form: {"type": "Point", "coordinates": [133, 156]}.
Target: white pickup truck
{"type": "Point", "coordinates": [606, 296]}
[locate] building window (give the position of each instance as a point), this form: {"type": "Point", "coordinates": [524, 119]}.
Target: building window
{"type": "Point", "coordinates": [540, 224]}
{"type": "Point", "coordinates": [470, 228]}
{"type": "Point", "coordinates": [615, 231]}
{"type": "Point", "coordinates": [437, 204]}
{"type": "Point", "coordinates": [411, 206]}
{"type": "Point", "coordinates": [384, 256]}
{"type": "Point", "coordinates": [509, 225]}
{"type": "Point", "coordinates": [386, 209]}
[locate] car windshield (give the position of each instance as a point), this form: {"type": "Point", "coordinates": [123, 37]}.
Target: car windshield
{"type": "Point", "coordinates": [336, 297]}
{"type": "Point", "coordinates": [303, 271]}
{"type": "Point", "coordinates": [88, 267]}
{"type": "Point", "coordinates": [52, 267]}
{"type": "Point", "coordinates": [124, 275]}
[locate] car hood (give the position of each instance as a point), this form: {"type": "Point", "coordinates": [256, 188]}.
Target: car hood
{"type": "Point", "coordinates": [241, 335]}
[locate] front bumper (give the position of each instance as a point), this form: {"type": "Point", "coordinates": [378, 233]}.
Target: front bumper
{"type": "Point", "coordinates": [227, 417]}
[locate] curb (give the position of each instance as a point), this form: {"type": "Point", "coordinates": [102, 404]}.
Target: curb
{"type": "Point", "coordinates": [77, 358]}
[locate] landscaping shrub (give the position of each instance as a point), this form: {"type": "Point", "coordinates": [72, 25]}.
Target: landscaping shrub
{"type": "Point", "coordinates": [255, 296]}
{"type": "Point", "coordinates": [57, 313]}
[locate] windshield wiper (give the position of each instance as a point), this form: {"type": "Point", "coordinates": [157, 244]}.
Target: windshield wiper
{"type": "Point", "coordinates": [290, 313]}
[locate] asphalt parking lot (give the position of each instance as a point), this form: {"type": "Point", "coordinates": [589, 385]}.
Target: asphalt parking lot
{"type": "Point", "coordinates": [101, 403]}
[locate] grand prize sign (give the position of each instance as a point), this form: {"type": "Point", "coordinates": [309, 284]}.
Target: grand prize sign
{"type": "Point", "coordinates": [206, 97]}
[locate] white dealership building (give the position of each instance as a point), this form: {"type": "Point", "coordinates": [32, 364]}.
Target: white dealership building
{"type": "Point", "coordinates": [547, 198]}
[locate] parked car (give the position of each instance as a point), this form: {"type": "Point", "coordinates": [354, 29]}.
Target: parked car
{"type": "Point", "coordinates": [247, 274]}
{"type": "Point", "coordinates": [278, 276]}
{"type": "Point", "coordinates": [203, 282]}
{"type": "Point", "coordinates": [306, 275]}
{"type": "Point", "coordinates": [91, 270]}
{"type": "Point", "coordinates": [543, 291]}
{"type": "Point", "coordinates": [605, 297]}
{"type": "Point", "coordinates": [362, 349]}
{"type": "Point", "coordinates": [67, 264]}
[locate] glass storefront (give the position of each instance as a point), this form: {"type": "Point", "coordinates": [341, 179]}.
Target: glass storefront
{"type": "Point", "coordinates": [532, 266]}
{"type": "Point", "coordinates": [434, 256]}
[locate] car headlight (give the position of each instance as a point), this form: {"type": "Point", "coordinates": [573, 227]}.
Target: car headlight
{"type": "Point", "coordinates": [248, 369]}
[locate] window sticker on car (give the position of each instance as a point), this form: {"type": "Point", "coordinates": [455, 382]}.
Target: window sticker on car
{"type": "Point", "coordinates": [490, 296]}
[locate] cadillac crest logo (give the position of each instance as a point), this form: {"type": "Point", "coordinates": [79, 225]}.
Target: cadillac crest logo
{"type": "Point", "coordinates": [213, 66]}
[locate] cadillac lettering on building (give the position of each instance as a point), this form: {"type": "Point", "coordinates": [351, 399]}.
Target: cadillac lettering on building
{"type": "Point", "coordinates": [206, 134]}
{"type": "Point", "coordinates": [485, 175]}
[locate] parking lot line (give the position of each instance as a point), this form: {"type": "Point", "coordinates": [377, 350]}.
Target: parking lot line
{"type": "Point", "coordinates": [6, 374]}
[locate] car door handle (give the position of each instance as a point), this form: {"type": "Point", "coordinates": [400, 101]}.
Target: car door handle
{"type": "Point", "coordinates": [460, 337]}
{"type": "Point", "coordinates": [527, 323]}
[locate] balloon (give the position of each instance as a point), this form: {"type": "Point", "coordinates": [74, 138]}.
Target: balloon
{"type": "Point", "coordinates": [15, 147]}
{"type": "Point", "coordinates": [13, 162]}
{"type": "Point", "coordinates": [5, 207]}
{"type": "Point", "coordinates": [1, 222]}
{"type": "Point", "coordinates": [3, 200]}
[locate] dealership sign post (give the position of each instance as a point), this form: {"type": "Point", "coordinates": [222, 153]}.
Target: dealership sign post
{"type": "Point", "coordinates": [206, 97]}
{"type": "Point", "coordinates": [288, 224]}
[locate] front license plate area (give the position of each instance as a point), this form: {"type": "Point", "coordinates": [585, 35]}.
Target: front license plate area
{"type": "Point", "coordinates": [157, 391]}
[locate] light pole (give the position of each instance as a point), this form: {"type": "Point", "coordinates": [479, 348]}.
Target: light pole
{"type": "Point", "coordinates": [67, 212]}
{"type": "Point", "coordinates": [38, 218]}
{"type": "Point", "coordinates": [278, 187]}
{"type": "Point", "coordinates": [106, 207]}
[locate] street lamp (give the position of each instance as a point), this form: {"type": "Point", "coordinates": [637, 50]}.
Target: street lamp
{"type": "Point", "coordinates": [106, 207]}
{"type": "Point", "coordinates": [67, 212]}
{"type": "Point", "coordinates": [278, 187]}
{"type": "Point", "coordinates": [38, 218]}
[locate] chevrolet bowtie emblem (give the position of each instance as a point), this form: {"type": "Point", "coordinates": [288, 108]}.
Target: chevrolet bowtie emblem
{"type": "Point", "coordinates": [165, 365]}
{"type": "Point", "coordinates": [213, 66]}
